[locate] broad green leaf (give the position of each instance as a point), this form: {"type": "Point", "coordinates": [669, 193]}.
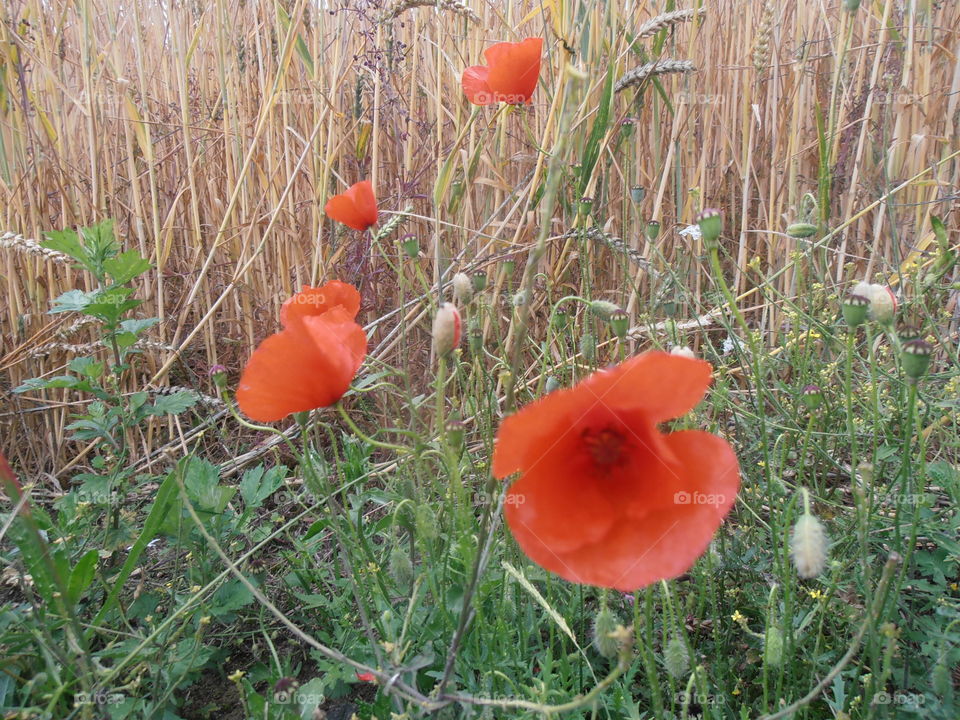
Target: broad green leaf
{"type": "Point", "coordinates": [73, 301]}
{"type": "Point", "coordinates": [173, 404]}
{"type": "Point", "coordinates": [60, 381]}
{"type": "Point", "coordinates": [66, 242]}
{"type": "Point", "coordinates": [81, 576]}
{"type": "Point", "coordinates": [126, 266]}
{"type": "Point", "coordinates": [257, 485]}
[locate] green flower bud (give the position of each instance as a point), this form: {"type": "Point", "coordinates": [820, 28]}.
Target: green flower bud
{"type": "Point", "coordinates": [551, 384]}
{"type": "Point", "coordinates": [603, 309]}
{"type": "Point", "coordinates": [801, 230]}
{"type": "Point", "coordinates": [711, 225]}
{"type": "Point", "coordinates": [916, 358]}
{"type": "Point", "coordinates": [676, 657]}
{"type": "Point", "coordinates": [619, 323]}
{"type": "Point", "coordinates": [603, 626]}
{"type": "Point", "coordinates": [588, 347]}
{"type": "Point", "coordinates": [773, 647]}
{"type": "Point", "coordinates": [401, 567]}
{"type": "Point", "coordinates": [426, 522]}
{"type": "Point", "coordinates": [854, 309]}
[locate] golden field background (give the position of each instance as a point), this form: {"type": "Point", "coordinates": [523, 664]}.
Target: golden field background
{"type": "Point", "coordinates": [213, 132]}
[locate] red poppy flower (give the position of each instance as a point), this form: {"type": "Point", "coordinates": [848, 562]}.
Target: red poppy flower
{"type": "Point", "coordinates": [310, 363]}
{"type": "Point", "coordinates": [356, 208]}
{"type": "Point", "coordinates": [604, 498]}
{"type": "Point", "coordinates": [510, 75]}
{"type": "Point", "coordinates": [367, 677]}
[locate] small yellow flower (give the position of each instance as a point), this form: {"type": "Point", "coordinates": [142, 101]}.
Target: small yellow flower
{"type": "Point", "coordinates": [815, 594]}
{"type": "Point", "coordinates": [236, 676]}
{"type": "Point", "coordinates": [953, 586]}
{"type": "Point", "coordinates": [737, 617]}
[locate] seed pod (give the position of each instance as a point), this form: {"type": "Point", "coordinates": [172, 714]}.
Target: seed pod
{"type": "Point", "coordinates": [711, 225]}
{"type": "Point", "coordinates": [812, 396]}
{"type": "Point", "coordinates": [854, 309]}
{"type": "Point", "coordinates": [411, 246]}
{"type": "Point", "coordinates": [619, 323]}
{"type": "Point", "coordinates": [653, 230]}
{"type": "Point", "coordinates": [480, 280]}
{"type": "Point", "coordinates": [916, 358]}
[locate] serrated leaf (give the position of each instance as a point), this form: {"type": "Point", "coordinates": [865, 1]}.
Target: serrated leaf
{"type": "Point", "coordinates": [257, 485]}
{"type": "Point", "coordinates": [66, 242]}
{"type": "Point", "coordinates": [73, 301]}
{"type": "Point", "coordinates": [60, 381]}
{"type": "Point", "coordinates": [126, 266]}
{"type": "Point", "coordinates": [173, 404]}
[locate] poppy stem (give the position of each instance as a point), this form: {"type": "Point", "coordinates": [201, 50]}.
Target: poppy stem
{"type": "Point", "coordinates": [355, 429]}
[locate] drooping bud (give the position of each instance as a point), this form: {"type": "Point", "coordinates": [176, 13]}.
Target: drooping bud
{"type": "Point", "coordinates": [773, 647]}
{"type": "Point", "coordinates": [812, 396]}
{"type": "Point", "coordinates": [801, 230]}
{"type": "Point", "coordinates": [603, 309]}
{"type": "Point", "coordinates": [446, 329]}
{"type": "Point", "coordinates": [711, 225]}
{"type": "Point", "coordinates": [604, 624]}
{"type": "Point", "coordinates": [401, 567]}
{"type": "Point", "coordinates": [588, 347]}
{"type": "Point", "coordinates": [426, 522]}
{"type": "Point", "coordinates": [462, 289]}
{"type": "Point", "coordinates": [683, 351]}
{"type": "Point", "coordinates": [676, 657]}
{"type": "Point", "coordinates": [915, 357]}
{"type": "Point", "coordinates": [854, 309]}
{"type": "Point", "coordinates": [619, 323]}
{"type": "Point", "coordinates": [808, 546]}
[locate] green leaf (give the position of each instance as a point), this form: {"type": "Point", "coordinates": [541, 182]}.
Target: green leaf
{"type": "Point", "coordinates": [591, 152]}
{"type": "Point", "coordinates": [81, 576]}
{"type": "Point", "coordinates": [87, 367]}
{"type": "Point", "coordinates": [138, 326]}
{"type": "Point", "coordinates": [166, 493]}
{"type": "Point", "coordinates": [73, 301]}
{"type": "Point", "coordinates": [59, 381]}
{"type": "Point", "coordinates": [66, 242]}
{"type": "Point", "coordinates": [202, 483]}
{"type": "Point", "coordinates": [173, 404]}
{"type": "Point", "coordinates": [257, 485]}
{"type": "Point", "coordinates": [126, 266]}
{"type": "Point", "coordinates": [110, 305]}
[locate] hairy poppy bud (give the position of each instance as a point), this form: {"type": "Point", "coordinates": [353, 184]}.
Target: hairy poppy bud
{"type": "Point", "coordinates": [401, 567]}
{"type": "Point", "coordinates": [603, 309]}
{"type": "Point", "coordinates": [676, 657]}
{"type": "Point", "coordinates": [462, 288]}
{"type": "Point", "coordinates": [480, 280]}
{"type": "Point", "coordinates": [801, 230]}
{"type": "Point", "coordinates": [773, 647]}
{"type": "Point", "coordinates": [855, 310]}
{"type": "Point", "coordinates": [426, 522]}
{"type": "Point", "coordinates": [588, 347]}
{"type": "Point", "coordinates": [551, 384]}
{"type": "Point", "coordinates": [446, 329]}
{"type": "Point", "coordinates": [619, 323]}
{"type": "Point", "coordinates": [604, 624]}
{"type": "Point", "coordinates": [711, 225]}
{"type": "Point", "coordinates": [808, 546]}
{"type": "Point", "coordinates": [683, 351]}
{"type": "Point", "coordinates": [916, 358]}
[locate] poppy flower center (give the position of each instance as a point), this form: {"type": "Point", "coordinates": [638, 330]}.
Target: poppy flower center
{"type": "Point", "coordinates": [605, 445]}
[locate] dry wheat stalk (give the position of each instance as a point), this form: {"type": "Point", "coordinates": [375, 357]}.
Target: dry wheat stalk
{"type": "Point", "coordinates": [455, 6]}
{"type": "Point", "coordinates": [15, 241]}
{"type": "Point", "coordinates": [659, 67]}
{"type": "Point", "coordinates": [658, 23]}
{"type": "Point", "coordinates": [761, 44]}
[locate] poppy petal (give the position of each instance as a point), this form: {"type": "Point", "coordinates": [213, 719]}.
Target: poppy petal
{"type": "Point", "coordinates": [475, 86]}
{"type": "Point", "coordinates": [546, 502]}
{"type": "Point", "coordinates": [356, 208]}
{"type": "Point", "coordinates": [308, 365]}
{"type": "Point", "coordinates": [514, 69]}
{"type": "Point", "coordinates": [665, 386]}
{"type": "Point", "coordinates": [318, 300]}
